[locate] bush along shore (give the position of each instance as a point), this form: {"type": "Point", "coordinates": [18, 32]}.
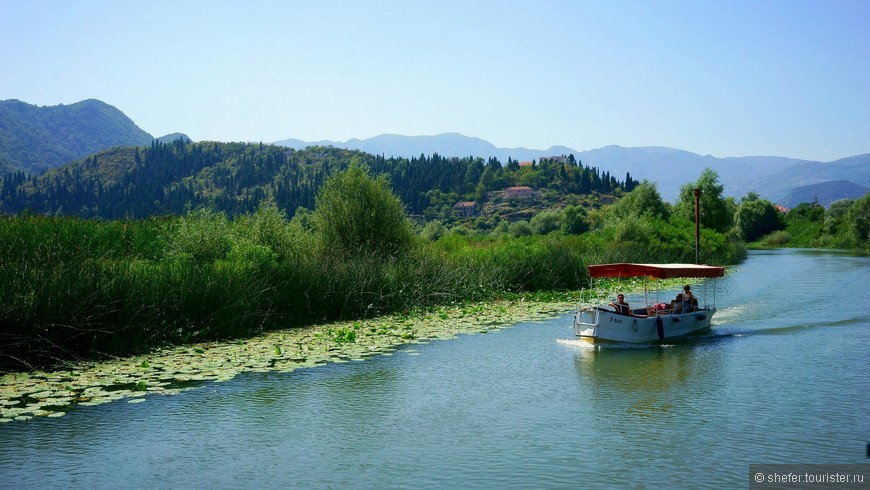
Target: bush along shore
{"type": "Point", "coordinates": [76, 289]}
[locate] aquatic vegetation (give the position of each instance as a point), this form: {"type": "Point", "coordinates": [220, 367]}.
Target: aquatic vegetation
{"type": "Point", "coordinates": [123, 288]}
{"type": "Point", "coordinates": [344, 335]}
{"type": "Point", "coordinates": [173, 370]}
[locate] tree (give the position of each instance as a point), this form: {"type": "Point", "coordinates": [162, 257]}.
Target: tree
{"type": "Point", "coordinates": [520, 228]}
{"type": "Point", "coordinates": [355, 212]}
{"type": "Point", "coordinates": [574, 220]}
{"type": "Point", "coordinates": [715, 212]}
{"type": "Point", "coordinates": [807, 211]}
{"type": "Point", "coordinates": [546, 221]}
{"type": "Point", "coordinates": [835, 216]}
{"type": "Point", "coordinates": [756, 217]}
{"type": "Point", "coordinates": [644, 200]}
{"type": "Point", "coordinates": [859, 220]}
{"type": "Point", "coordinates": [433, 230]}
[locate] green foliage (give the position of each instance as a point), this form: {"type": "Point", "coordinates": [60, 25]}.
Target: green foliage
{"type": "Point", "coordinates": [843, 225]}
{"type": "Point", "coordinates": [546, 221]}
{"type": "Point", "coordinates": [756, 217]}
{"type": "Point", "coordinates": [806, 212]}
{"type": "Point", "coordinates": [88, 288]}
{"type": "Point", "coordinates": [520, 228]}
{"type": "Point", "coordinates": [344, 335]}
{"type": "Point", "coordinates": [358, 213]}
{"type": "Point", "coordinates": [169, 178]}
{"type": "Point", "coordinates": [269, 229]}
{"type": "Point", "coordinates": [803, 225]}
{"type": "Point", "coordinates": [858, 218]}
{"type": "Point", "coordinates": [835, 216]}
{"type": "Point", "coordinates": [202, 237]}
{"type": "Point", "coordinates": [633, 229]}
{"type": "Point", "coordinates": [575, 220]}
{"type": "Point", "coordinates": [715, 212]}
{"type": "Point", "coordinates": [643, 201]}
{"type": "Point", "coordinates": [777, 239]}
{"type": "Point", "coordinates": [433, 231]}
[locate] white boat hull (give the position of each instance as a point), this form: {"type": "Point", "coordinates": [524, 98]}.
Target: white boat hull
{"type": "Point", "coordinates": [598, 324]}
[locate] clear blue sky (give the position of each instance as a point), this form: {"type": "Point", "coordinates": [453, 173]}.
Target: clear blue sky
{"type": "Point", "coordinates": [728, 78]}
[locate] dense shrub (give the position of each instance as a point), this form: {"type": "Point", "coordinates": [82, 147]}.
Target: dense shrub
{"type": "Point", "coordinates": [356, 212]}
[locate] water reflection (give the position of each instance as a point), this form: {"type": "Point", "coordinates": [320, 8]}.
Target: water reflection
{"type": "Point", "coordinates": [649, 381]}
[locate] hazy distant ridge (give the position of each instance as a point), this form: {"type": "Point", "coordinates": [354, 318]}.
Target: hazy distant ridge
{"type": "Point", "coordinates": [446, 144]}
{"type": "Point", "coordinates": [771, 177]}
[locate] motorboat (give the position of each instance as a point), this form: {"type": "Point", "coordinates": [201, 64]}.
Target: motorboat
{"type": "Point", "coordinates": [599, 317]}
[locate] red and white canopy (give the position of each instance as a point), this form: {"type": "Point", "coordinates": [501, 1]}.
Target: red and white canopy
{"type": "Point", "coordinates": [659, 271]}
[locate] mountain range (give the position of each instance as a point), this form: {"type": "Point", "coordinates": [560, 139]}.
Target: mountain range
{"type": "Point", "coordinates": [774, 178]}
{"type": "Point", "coordinates": [34, 139]}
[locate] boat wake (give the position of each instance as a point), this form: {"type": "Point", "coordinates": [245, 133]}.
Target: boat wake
{"type": "Point", "coordinates": [726, 331]}
{"type": "Point", "coordinates": [586, 345]}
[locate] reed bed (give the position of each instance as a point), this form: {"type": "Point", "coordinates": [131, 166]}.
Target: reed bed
{"type": "Point", "coordinates": [73, 289]}
{"type": "Point", "coordinates": [77, 289]}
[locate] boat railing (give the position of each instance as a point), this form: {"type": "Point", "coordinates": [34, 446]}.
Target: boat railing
{"type": "Point", "coordinates": [591, 298]}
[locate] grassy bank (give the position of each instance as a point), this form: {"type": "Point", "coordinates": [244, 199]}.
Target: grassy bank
{"type": "Point", "coordinates": [77, 289]}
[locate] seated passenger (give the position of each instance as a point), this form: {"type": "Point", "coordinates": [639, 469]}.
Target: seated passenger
{"type": "Point", "coordinates": [690, 302]}
{"type": "Point", "coordinates": [677, 304]}
{"type": "Point", "coordinates": [621, 306]}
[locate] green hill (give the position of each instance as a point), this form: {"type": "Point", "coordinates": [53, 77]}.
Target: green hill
{"type": "Point", "coordinates": [34, 139]}
{"type": "Point", "coordinates": [234, 178]}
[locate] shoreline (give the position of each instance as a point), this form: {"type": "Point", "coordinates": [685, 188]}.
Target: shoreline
{"type": "Point", "coordinates": [174, 369]}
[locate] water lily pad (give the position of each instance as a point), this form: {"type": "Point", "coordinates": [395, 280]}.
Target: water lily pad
{"type": "Point", "coordinates": [284, 351]}
{"type": "Point", "coordinates": [41, 394]}
{"type": "Point", "coordinates": [56, 402]}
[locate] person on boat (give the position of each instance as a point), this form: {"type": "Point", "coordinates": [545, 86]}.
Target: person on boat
{"type": "Point", "coordinates": [677, 304]}
{"type": "Point", "coordinates": [621, 306]}
{"type": "Point", "coordinates": [690, 302]}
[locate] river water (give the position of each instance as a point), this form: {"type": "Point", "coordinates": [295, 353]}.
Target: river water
{"type": "Point", "coordinates": [782, 377]}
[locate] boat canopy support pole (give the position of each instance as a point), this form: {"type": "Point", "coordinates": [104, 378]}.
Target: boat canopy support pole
{"type": "Point", "coordinates": [697, 226]}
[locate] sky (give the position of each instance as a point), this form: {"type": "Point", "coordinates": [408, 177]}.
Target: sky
{"type": "Point", "coordinates": [728, 78]}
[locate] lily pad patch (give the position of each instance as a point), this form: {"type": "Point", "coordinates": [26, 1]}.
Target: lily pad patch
{"type": "Point", "coordinates": [173, 370]}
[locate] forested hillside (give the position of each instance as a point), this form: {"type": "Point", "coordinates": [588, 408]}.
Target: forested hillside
{"type": "Point", "coordinates": [234, 178]}
{"type": "Point", "coordinates": [34, 139]}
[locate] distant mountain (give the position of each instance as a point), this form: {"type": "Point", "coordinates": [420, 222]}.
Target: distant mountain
{"type": "Point", "coordinates": [35, 139]}
{"type": "Point", "coordinates": [771, 177]}
{"type": "Point", "coordinates": [169, 138]}
{"type": "Point", "coordinates": [446, 144]}
{"type": "Point", "coordinates": [855, 169]}
{"type": "Point", "coordinates": [824, 193]}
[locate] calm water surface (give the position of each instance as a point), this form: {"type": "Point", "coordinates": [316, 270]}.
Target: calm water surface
{"type": "Point", "coordinates": [782, 377]}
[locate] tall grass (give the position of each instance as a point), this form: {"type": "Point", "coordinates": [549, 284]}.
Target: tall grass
{"type": "Point", "coordinates": [75, 289]}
